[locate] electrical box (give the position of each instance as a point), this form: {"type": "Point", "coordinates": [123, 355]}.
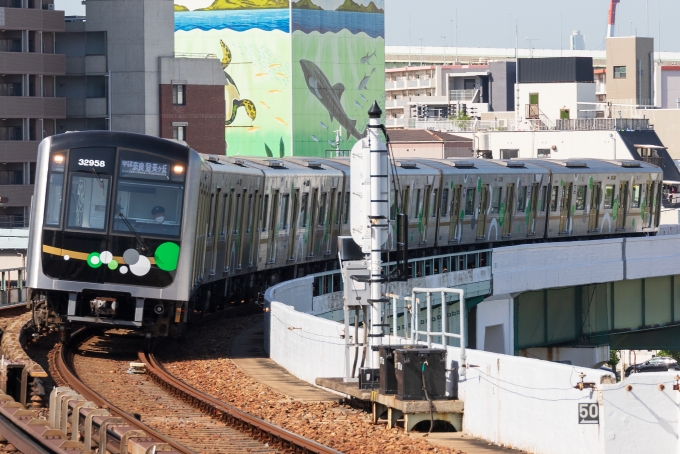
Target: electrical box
{"type": "Point", "coordinates": [369, 378]}
{"type": "Point", "coordinates": [388, 377]}
{"type": "Point", "coordinates": [409, 371]}
{"type": "Point", "coordinates": [355, 275]}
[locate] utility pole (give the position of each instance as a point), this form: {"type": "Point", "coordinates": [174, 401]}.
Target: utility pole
{"type": "Point", "coordinates": [444, 38]}
{"type": "Point", "coordinates": [531, 48]}
{"type": "Point", "coordinates": [409, 41]}
{"type": "Point", "coordinates": [421, 51]}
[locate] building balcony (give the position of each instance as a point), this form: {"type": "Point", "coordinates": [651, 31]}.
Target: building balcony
{"type": "Point", "coordinates": [395, 122]}
{"type": "Point", "coordinates": [16, 195]}
{"type": "Point", "coordinates": [90, 64]}
{"type": "Point", "coordinates": [395, 103]}
{"type": "Point", "coordinates": [32, 19]}
{"type": "Point", "coordinates": [18, 150]}
{"type": "Point", "coordinates": [32, 63]}
{"type": "Point", "coordinates": [462, 95]}
{"type": "Point", "coordinates": [86, 107]}
{"type": "Point", "coordinates": [32, 107]}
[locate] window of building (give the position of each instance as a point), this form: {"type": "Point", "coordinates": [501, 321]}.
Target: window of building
{"type": "Point", "coordinates": [179, 132]}
{"type": "Point", "coordinates": [509, 154]}
{"type": "Point", "coordinates": [179, 95]}
{"type": "Point", "coordinates": [543, 152]}
{"type": "Point", "coordinates": [581, 197]}
{"type": "Point", "coordinates": [619, 72]}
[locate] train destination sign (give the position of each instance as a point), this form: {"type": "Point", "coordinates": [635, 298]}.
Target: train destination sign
{"type": "Point", "coordinates": [136, 169]}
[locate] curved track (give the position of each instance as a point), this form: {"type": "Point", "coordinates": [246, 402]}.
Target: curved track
{"type": "Point", "coordinates": [172, 411]}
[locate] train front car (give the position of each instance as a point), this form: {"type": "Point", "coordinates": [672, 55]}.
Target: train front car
{"type": "Point", "coordinates": [111, 228]}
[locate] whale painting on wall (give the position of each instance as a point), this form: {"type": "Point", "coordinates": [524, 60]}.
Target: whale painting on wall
{"type": "Point", "coordinates": [295, 72]}
{"type": "Point", "coordinates": [338, 49]}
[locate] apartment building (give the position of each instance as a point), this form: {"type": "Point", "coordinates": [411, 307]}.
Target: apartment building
{"type": "Point", "coordinates": [29, 106]}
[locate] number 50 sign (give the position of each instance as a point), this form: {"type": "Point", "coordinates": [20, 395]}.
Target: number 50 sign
{"type": "Point", "coordinates": [588, 413]}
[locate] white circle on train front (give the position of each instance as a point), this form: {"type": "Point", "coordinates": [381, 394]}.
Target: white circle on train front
{"type": "Point", "coordinates": [131, 256]}
{"type": "Point", "coordinates": [94, 260]}
{"type": "Point", "coordinates": [106, 257]}
{"type": "Point", "coordinates": [66, 257]}
{"type": "Point", "coordinates": [123, 269]}
{"type": "Point", "coordinates": [141, 267]}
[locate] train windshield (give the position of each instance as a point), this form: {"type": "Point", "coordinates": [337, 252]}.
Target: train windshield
{"type": "Point", "coordinates": [148, 195]}
{"type": "Point", "coordinates": [88, 199]}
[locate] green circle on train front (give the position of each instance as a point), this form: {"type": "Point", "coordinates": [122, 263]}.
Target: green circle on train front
{"type": "Point", "coordinates": [167, 256]}
{"type": "Point", "coordinates": [94, 260]}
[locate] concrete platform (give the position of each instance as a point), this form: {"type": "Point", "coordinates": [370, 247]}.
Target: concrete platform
{"type": "Point", "coordinates": [412, 411]}
{"type": "Point", "coordinates": [248, 354]}
{"type": "Point", "coordinates": [463, 443]}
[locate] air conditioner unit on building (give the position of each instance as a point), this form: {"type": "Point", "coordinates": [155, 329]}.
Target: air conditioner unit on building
{"type": "Point", "coordinates": [503, 123]}
{"type": "Point", "coordinates": [50, 6]}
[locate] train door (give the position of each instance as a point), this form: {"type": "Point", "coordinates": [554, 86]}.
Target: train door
{"type": "Point", "coordinates": [533, 207]}
{"type": "Point", "coordinates": [331, 221]}
{"type": "Point", "coordinates": [509, 210]}
{"type": "Point", "coordinates": [657, 203]}
{"type": "Point", "coordinates": [594, 214]}
{"type": "Point", "coordinates": [312, 223]}
{"type": "Point", "coordinates": [651, 199]}
{"type": "Point", "coordinates": [425, 214]}
{"type": "Point", "coordinates": [565, 207]}
{"type": "Point", "coordinates": [228, 214]}
{"type": "Point", "coordinates": [623, 206]}
{"type": "Point", "coordinates": [454, 214]}
{"type": "Point", "coordinates": [293, 225]}
{"type": "Point", "coordinates": [273, 224]}
{"type": "Point", "coordinates": [481, 212]}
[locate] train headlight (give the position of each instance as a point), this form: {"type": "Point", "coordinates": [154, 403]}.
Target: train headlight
{"type": "Point", "coordinates": [58, 158]}
{"type": "Point", "coordinates": [177, 172]}
{"type": "Point", "coordinates": [58, 162]}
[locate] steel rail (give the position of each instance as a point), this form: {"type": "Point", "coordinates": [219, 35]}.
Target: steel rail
{"type": "Point", "coordinates": [63, 363]}
{"type": "Point", "coordinates": [19, 439]}
{"type": "Point", "coordinates": [229, 414]}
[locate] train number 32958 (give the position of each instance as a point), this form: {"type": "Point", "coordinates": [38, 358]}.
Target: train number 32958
{"type": "Point", "coordinates": [91, 162]}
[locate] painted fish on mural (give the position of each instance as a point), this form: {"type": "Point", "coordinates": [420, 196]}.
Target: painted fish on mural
{"type": "Point", "coordinates": [323, 125]}
{"type": "Point", "coordinates": [367, 58]}
{"type": "Point", "coordinates": [233, 97]}
{"type": "Point", "coordinates": [329, 96]}
{"type": "Point", "coordinates": [364, 81]}
{"type": "Point", "coordinates": [315, 138]}
{"type": "Point", "coordinates": [356, 103]}
{"type": "Point", "coordinates": [363, 97]}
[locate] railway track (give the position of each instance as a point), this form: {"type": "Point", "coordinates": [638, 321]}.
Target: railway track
{"type": "Point", "coordinates": [95, 365]}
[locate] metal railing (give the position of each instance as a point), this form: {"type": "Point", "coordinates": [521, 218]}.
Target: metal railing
{"type": "Point", "coordinates": [461, 95]}
{"type": "Point", "coordinates": [603, 124]}
{"type": "Point", "coordinates": [13, 221]}
{"type": "Point", "coordinates": [12, 286]}
{"type": "Point", "coordinates": [654, 160]}
{"type": "Point", "coordinates": [194, 55]}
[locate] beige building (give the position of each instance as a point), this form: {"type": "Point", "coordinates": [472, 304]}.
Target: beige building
{"type": "Point", "coordinates": [630, 65]}
{"type": "Point", "coordinates": [423, 143]}
{"type": "Point", "coordinates": [28, 106]}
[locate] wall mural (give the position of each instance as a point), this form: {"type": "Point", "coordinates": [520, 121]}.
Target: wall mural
{"type": "Point", "coordinates": [289, 92]}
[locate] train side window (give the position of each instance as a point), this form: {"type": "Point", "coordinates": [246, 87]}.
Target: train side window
{"type": "Point", "coordinates": [249, 223]}
{"type": "Point", "coordinates": [608, 196]}
{"type": "Point", "coordinates": [237, 214]}
{"type": "Point", "coordinates": [522, 199]}
{"type": "Point", "coordinates": [496, 200]}
{"type": "Point", "coordinates": [393, 205]}
{"type": "Point", "coordinates": [346, 213]}
{"type": "Point", "coordinates": [636, 196]}
{"type": "Point", "coordinates": [226, 213]}
{"type": "Point", "coordinates": [543, 201]}
{"type": "Point", "coordinates": [285, 200]}
{"type": "Point", "coordinates": [212, 216]}
{"type": "Point", "coordinates": [54, 204]}
{"type": "Point", "coordinates": [303, 210]}
{"type": "Point", "coordinates": [322, 209]}
{"type": "Point", "coordinates": [553, 198]}
{"type": "Point", "coordinates": [265, 207]}
{"type": "Point", "coordinates": [433, 205]}
{"type": "Point", "coordinates": [405, 194]}
{"type": "Point", "coordinates": [470, 202]}
{"type": "Point", "coordinates": [445, 203]}
{"type": "Point", "coordinates": [338, 205]}
{"type": "Point", "coordinates": [417, 212]}
{"type": "Point", "coordinates": [581, 197]}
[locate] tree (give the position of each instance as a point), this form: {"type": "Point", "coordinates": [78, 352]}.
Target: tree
{"type": "Point", "coordinates": [672, 353]}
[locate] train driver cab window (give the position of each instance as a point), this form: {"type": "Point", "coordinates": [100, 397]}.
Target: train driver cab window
{"type": "Point", "coordinates": [496, 200]}
{"type": "Point", "coordinates": [522, 198]}
{"type": "Point", "coordinates": [636, 196]}
{"type": "Point", "coordinates": [470, 202]}
{"type": "Point", "coordinates": [553, 198]}
{"type": "Point", "coordinates": [608, 196]}
{"type": "Point", "coordinates": [88, 200]}
{"type": "Point", "coordinates": [55, 189]}
{"type": "Point", "coordinates": [149, 195]}
{"type": "Point", "coordinates": [581, 197]}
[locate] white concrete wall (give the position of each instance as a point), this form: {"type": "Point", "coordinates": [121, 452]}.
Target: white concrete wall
{"type": "Point", "coordinates": [553, 97]}
{"type": "Point", "coordinates": [537, 266]}
{"type": "Point", "coordinates": [652, 256]}
{"type": "Point", "coordinates": [492, 312]}
{"type": "Point", "coordinates": [568, 144]}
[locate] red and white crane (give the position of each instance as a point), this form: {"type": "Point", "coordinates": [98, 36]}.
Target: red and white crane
{"type": "Point", "coordinates": [612, 18]}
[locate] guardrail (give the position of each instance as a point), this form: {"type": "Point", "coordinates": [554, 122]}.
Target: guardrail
{"type": "Point", "coordinates": [12, 286]}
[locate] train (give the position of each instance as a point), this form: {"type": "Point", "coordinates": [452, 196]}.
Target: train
{"type": "Point", "coordinates": [140, 232]}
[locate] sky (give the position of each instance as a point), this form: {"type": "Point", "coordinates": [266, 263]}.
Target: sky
{"type": "Point", "coordinates": [491, 23]}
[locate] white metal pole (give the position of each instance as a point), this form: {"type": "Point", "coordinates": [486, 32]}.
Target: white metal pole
{"type": "Point", "coordinates": [378, 217]}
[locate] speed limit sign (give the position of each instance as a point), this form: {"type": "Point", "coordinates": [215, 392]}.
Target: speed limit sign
{"type": "Point", "coordinates": [588, 413]}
